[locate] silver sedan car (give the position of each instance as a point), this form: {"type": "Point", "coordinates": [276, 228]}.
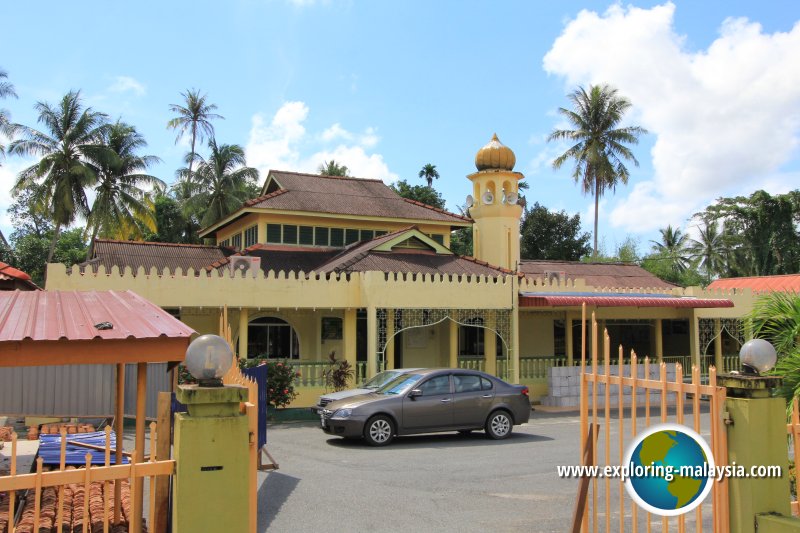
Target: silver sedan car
{"type": "Point", "coordinates": [429, 401]}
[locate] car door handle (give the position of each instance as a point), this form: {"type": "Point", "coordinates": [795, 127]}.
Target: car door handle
{"type": "Point", "coordinates": [487, 396]}
{"type": "Point", "coordinates": [445, 400]}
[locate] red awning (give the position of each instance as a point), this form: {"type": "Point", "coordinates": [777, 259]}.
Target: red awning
{"type": "Point", "coordinates": [620, 301]}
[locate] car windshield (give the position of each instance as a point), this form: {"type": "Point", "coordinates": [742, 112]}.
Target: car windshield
{"type": "Point", "coordinates": [400, 384]}
{"type": "Point", "coordinates": [381, 379]}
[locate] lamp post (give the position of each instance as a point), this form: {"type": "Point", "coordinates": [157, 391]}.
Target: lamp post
{"type": "Point", "coordinates": [211, 445]}
{"type": "Point", "coordinates": [756, 431]}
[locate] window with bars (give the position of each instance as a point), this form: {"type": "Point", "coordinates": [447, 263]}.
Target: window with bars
{"type": "Point", "coordinates": [337, 237]}
{"type": "Point", "coordinates": [306, 235]}
{"type": "Point", "coordinates": [312, 235]}
{"type": "Point", "coordinates": [236, 241]}
{"type": "Point", "coordinates": [351, 236]}
{"type": "Point", "coordinates": [226, 242]}
{"type": "Point", "coordinates": [250, 236]}
{"type": "Point", "coordinates": [274, 233]}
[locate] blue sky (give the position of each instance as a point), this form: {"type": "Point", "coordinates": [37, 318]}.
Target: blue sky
{"type": "Point", "coordinates": [386, 87]}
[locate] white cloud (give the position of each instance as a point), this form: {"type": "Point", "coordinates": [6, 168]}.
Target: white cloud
{"type": "Point", "coordinates": [725, 118]}
{"type": "Point", "coordinates": [282, 142]}
{"type": "Point", "coordinates": [336, 132]}
{"type": "Point", "coordinates": [123, 84]}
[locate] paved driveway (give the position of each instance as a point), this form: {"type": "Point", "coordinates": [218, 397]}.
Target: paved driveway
{"type": "Point", "coordinates": [431, 483]}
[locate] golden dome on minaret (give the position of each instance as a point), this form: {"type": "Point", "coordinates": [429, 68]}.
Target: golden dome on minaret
{"type": "Point", "coordinates": [495, 156]}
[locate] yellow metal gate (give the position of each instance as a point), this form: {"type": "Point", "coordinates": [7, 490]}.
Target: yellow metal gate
{"type": "Point", "coordinates": [617, 402]}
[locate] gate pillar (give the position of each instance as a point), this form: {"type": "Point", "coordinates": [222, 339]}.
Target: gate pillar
{"type": "Point", "coordinates": [211, 450]}
{"type": "Point", "coordinates": [756, 436]}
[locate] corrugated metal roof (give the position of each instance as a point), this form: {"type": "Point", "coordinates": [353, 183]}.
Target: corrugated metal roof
{"type": "Point", "coordinates": [619, 300]}
{"type": "Point", "coordinates": [784, 283]}
{"type": "Point", "coordinates": [162, 256]}
{"type": "Point", "coordinates": [601, 275]}
{"type": "Point", "coordinates": [72, 315]}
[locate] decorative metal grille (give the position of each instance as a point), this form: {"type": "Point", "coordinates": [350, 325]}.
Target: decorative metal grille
{"type": "Point", "coordinates": [405, 319]}
{"type": "Point", "coordinates": [733, 326]}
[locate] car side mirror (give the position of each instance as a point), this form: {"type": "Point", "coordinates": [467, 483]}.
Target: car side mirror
{"type": "Point", "coordinates": [414, 393]}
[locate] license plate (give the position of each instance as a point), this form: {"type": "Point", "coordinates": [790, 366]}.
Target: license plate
{"type": "Point", "coordinates": [322, 421]}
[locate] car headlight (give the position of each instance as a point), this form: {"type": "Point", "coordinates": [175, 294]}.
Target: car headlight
{"type": "Point", "coordinates": [342, 413]}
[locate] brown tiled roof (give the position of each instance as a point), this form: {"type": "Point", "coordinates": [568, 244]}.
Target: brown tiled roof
{"type": "Point", "coordinates": [362, 257]}
{"type": "Point", "coordinates": [602, 275]}
{"type": "Point", "coordinates": [285, 258]}
{"type": "Point", "coordinates": [314, 193]}
{"type": "Point", "coordinates": [154, 254]}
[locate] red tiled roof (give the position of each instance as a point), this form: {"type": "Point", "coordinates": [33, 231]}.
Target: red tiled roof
{"type": "Point", "coordinates": [162, 256]}
{"type": "Point", "coordinates": [16, 277]}
{"type": "Point", "coordinates": [783, 283]}
{"type": "Point", "coordinates": [65, 322]}
{"type": "Point", "coordinates": [313, 193]}
{"type": "Point", "coordinates": [283, 257]}
{"type": "Point", "coordinates": [618, 300]}
{"type": "Point", "coordinates": [601, 275]}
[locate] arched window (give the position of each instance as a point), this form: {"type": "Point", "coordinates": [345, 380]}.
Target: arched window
{"type": "Point", "coordinates": [272, 338]}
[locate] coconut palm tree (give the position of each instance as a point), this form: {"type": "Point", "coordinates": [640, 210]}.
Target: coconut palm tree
{"type": "Point", "coordinates": [673, 246]}
{"type": "Point", "coordinates": [332, 168]}
{"type": "Point", "coordinates": [598, 148]}
{"type": "Point", "coordinates": [72, 140]}
{"type": "Point", "coordinates": [123, 207]}
{"type": "Point", "coordinates": [776, 318]}
{"type": "Point", "coordinates": [429, 173]}
{"type": "Point", "coordinates": [194, 116]}
{"type": "Point", "coordinates": [709, 249]}
{"type": "Point", "coordinates": [222, 182]}
{"type": "Point", "coordinates": [6, 90]}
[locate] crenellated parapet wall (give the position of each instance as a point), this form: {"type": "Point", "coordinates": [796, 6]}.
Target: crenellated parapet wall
{"type": "Point", "coordinates": [293, 290]}
{"type": "Point", "coordinates": [314, 290]}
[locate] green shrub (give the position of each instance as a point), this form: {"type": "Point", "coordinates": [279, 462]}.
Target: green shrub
{"type": "Point", "coordinates": [281, 377]}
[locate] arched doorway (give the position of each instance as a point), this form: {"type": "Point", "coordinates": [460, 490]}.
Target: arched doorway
{"type": "Point", "coordinates": [272, 338]}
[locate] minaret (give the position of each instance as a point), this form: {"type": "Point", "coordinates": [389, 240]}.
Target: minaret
{"type": "Point", "coordinates": [494, 206]}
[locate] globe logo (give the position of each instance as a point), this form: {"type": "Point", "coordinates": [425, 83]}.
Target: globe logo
{"type": "Point", "coordinates": [668, 469]}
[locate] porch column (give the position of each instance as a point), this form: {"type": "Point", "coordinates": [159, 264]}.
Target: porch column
{"type": "Point", "coordinates": [350, 338]}
{"type": "Point", "coordinates": [514, 341]}
{"type": "Point", "coordinates": [244, 319]}
{"type": "Point", "coordinates": [718, 362]}
{"type": "Point", "coordinates": [694, 339]}
{"type": "Point", "coordinates": [453, 338]}
{"type": "Point", "coordinates": [490, 345]}
{"type": "Point", "coordinates": [568, 338]}
{"type": "Point", "coordinates": [659, 340]}
{"type": "Point", "coordinates": [262, 233]}
{"type": "Point", "coordinates": [372, 341]}
{"type": "Point", "coordinates": [389, 350]}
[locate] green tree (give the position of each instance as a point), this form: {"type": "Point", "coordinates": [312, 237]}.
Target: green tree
{"type": "Point", "coordinates": [123, 205]}
{"type": "Point", "coordinates": [194, 117]}
{"type": "Point", "coordinates": [419, 193]}
{"type": "Point", "coordinates": [776, 318]}
{"type": "Point", "coordinates": [332, 168]}
{"type": "Point", "coordinates": [598, 144]}
{"type": "Point", "coordinates": [170, 223]}
{"type": "Point", "coordinates": [223, 181]}
{"type": "Point", "coordinates": [28, 251]}
{"type": "Point", "coordinates": [660, 264]}
{"type": "Point", "coordinates": [72, 139]}
{"type": "Point", "coordinates": [6, 90]}
{"type": "Point", "coordinates": [429, 173]}
{"type": "Point", "coordinates": [672, 248]}
{"type": "Point", "coordinates": [709, 249]}
{"type": "Point", "coordinates": [761, 232]}
{"type": "Point", "coordinates": [625, 252]}
{"type": "Point", "coordinates": [552, 235]}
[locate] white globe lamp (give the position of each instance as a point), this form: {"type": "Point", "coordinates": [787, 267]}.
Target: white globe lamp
{"type": "Point", "coordinates": [208, 358]}
{"type": "Point", "coordinates": [758, 356]}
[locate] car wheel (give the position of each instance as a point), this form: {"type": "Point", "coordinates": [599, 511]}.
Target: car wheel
{"type": "Point", "coordinates": [499, 425]}
{"type": "Point", "coordinates": [379, 431]}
